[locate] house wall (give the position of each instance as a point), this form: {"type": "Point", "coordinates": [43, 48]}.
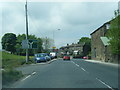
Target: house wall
{"type": "Point", "coordinates": [98, 50]}
{"type": "Point", "coordinates": [97, 47]}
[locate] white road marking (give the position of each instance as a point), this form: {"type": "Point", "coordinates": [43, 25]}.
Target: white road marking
{"type": "Point", "coordinates": [83, 69]}
{"type": "Point", "coordinates": [105, 84]}
{"type": "Point", "coordinates": [77, 65]}
{"type": "Point", "coordinates": [26, 78]}
{"type": "Point", "coordinates": [80, 67]}
{"type": "Point", "coordinates": [33, 73]}
{"type": "Point", "coordinates": [73, 62]}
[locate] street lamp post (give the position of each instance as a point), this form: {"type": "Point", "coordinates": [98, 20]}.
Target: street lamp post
{"type": "Point", "coordinates": [54, 39]}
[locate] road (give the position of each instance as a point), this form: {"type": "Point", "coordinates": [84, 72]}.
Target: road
{"type": "Point", "coordinates": [75, 73]}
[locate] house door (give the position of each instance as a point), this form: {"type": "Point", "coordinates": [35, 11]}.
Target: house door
{"type": "Point", "coordinates": [94, 52]}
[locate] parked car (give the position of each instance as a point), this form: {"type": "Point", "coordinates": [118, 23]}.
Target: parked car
{"type": "Point", "coordinates": [53, 55]}
{"type": "Point", "coordinates": [66, 57]}
{"type": "Point", "coordinates": [41, 57]}
{"type": "Point", "coordinates": [48, 56]}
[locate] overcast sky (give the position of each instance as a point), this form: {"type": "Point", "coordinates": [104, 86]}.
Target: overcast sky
{"type": "Point", "coordinates": [75, 20]}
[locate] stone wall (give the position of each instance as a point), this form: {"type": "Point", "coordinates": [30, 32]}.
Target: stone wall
{"type": "Point", "coordinates": [98, 50]}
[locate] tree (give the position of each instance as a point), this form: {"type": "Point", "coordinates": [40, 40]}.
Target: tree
{"type": "Point", "coordinates": [21, 51]}
{"type": "Point", "coordinates": [85, 39]}
{"type": "Point", "coordinates": [18, 46]}
{"type": "Point", "coordinates": [9, 42]}
{"type": "Point", "coordinates": [87, 46]}
{"type": "Point", "coordinates": [114, 33]}
{"type": "Point", "coordinates": [47, 44]}
{"type": "Point", "coordinates": [40, 48]}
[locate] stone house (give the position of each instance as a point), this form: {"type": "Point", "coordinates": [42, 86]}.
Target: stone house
{"type": "Point", "coordinates": [100, 49]}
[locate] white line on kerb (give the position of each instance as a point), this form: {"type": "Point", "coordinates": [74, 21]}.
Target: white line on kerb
{"type": "Point", "coordinates": [26, 77]}
{"type": "Point", "coordinates": [105, 84]}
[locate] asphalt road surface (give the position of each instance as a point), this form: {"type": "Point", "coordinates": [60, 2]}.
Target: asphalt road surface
{"type": "Point", "coordinates": [75, 73]}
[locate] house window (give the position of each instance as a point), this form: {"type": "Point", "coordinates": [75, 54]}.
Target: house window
{"type": "Point", "coordinates": [107, 26]}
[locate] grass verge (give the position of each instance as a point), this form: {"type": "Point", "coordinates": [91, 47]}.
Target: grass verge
{"type": "Point", "coordinates": [9, 76]}
{"type": "Point", "coordinates": [9, 63]}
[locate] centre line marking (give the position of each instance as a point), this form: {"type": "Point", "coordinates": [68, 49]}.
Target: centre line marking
{"type": "Point", "coordinates": [105, 84]}
{"type": "Point", "coordinates": [83, 69]}
{"type": "Point", "coordinates": [77, 65]}
{"type": "Point", "coordinates": [73, 62]}
{"type": "Point", "coordinates": [80, 67]}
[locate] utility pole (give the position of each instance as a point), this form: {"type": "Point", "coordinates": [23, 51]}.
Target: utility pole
{"type": "Point", "coordinates": [27, 52]}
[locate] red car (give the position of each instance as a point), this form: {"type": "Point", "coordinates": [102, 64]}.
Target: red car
{"type": "Point", "coordinates": [66, 57]}
{"type": "Point", "coordinates": [85, 57]}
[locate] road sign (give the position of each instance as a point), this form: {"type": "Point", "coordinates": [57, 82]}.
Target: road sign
{"type": "Point", "coordinates": [54, 47]}
{"type": "Point", "coordinates": [25, 44]}
{"type": "Point", "coordinates": [29, 44]}
{"type": "Point", "coordinates": [32, 44]}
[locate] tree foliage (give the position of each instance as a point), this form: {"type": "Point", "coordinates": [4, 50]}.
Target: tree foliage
{"type": "Point", "coordinates": [9, 42]}
{"type": "Point", "coordinates": [13, 43]}
{"type": "Point", "coordinates": [87, 40]}
{"type": "Point", "coordinates": [114, 34]}
{"type": "Point", "coordinates": [31, 51]}
{"type": "Point", "coordinates": [87, 46]}
{"type": "Point", "coordinates": [48, 43]}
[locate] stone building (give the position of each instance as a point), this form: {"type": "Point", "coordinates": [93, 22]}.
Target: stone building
{"type": "Point", "coordinates": [100, 49]}
{"type": "Point", "coordinates": [73, 47]}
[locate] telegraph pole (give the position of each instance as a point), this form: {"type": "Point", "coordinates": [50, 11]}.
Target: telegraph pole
{"type": "Point", "coordinates": [27, 52]}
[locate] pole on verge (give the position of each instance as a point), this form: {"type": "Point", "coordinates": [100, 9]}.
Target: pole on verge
{"type": "Point", "coordinates": [27, 53]}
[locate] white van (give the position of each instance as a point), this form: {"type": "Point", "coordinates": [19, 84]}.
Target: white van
{"type": "Point", "coordinates": [53, 54]}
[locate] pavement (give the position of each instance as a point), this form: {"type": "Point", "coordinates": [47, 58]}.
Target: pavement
{"type": "Point", "coordinates": [101, 62]}
{"type": "Point", "coordinates": [76, 73]}
{"type": "Point", "coordinates": [28, 69]}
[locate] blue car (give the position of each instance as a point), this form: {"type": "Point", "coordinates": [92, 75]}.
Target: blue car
{"type": "Point", "coordinates": [40, 57]}
{"type": "Point", "coordinates": [48, 56]}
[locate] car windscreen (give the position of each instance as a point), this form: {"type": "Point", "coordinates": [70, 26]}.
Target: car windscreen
{"type": "Point", "coordinates": [40, 55]}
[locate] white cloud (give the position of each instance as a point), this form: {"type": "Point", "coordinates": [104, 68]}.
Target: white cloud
{"type": "Point", "coordinates": [74, 19]}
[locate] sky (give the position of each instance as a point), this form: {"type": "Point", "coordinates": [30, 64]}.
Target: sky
{"type": "Point", "coordinates": [69, 21]}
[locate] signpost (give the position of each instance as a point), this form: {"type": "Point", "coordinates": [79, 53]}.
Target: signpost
{"type": "Point", "coordinates": [32, 44]}
{"type": "Point", "coordinates": [29, 44]}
